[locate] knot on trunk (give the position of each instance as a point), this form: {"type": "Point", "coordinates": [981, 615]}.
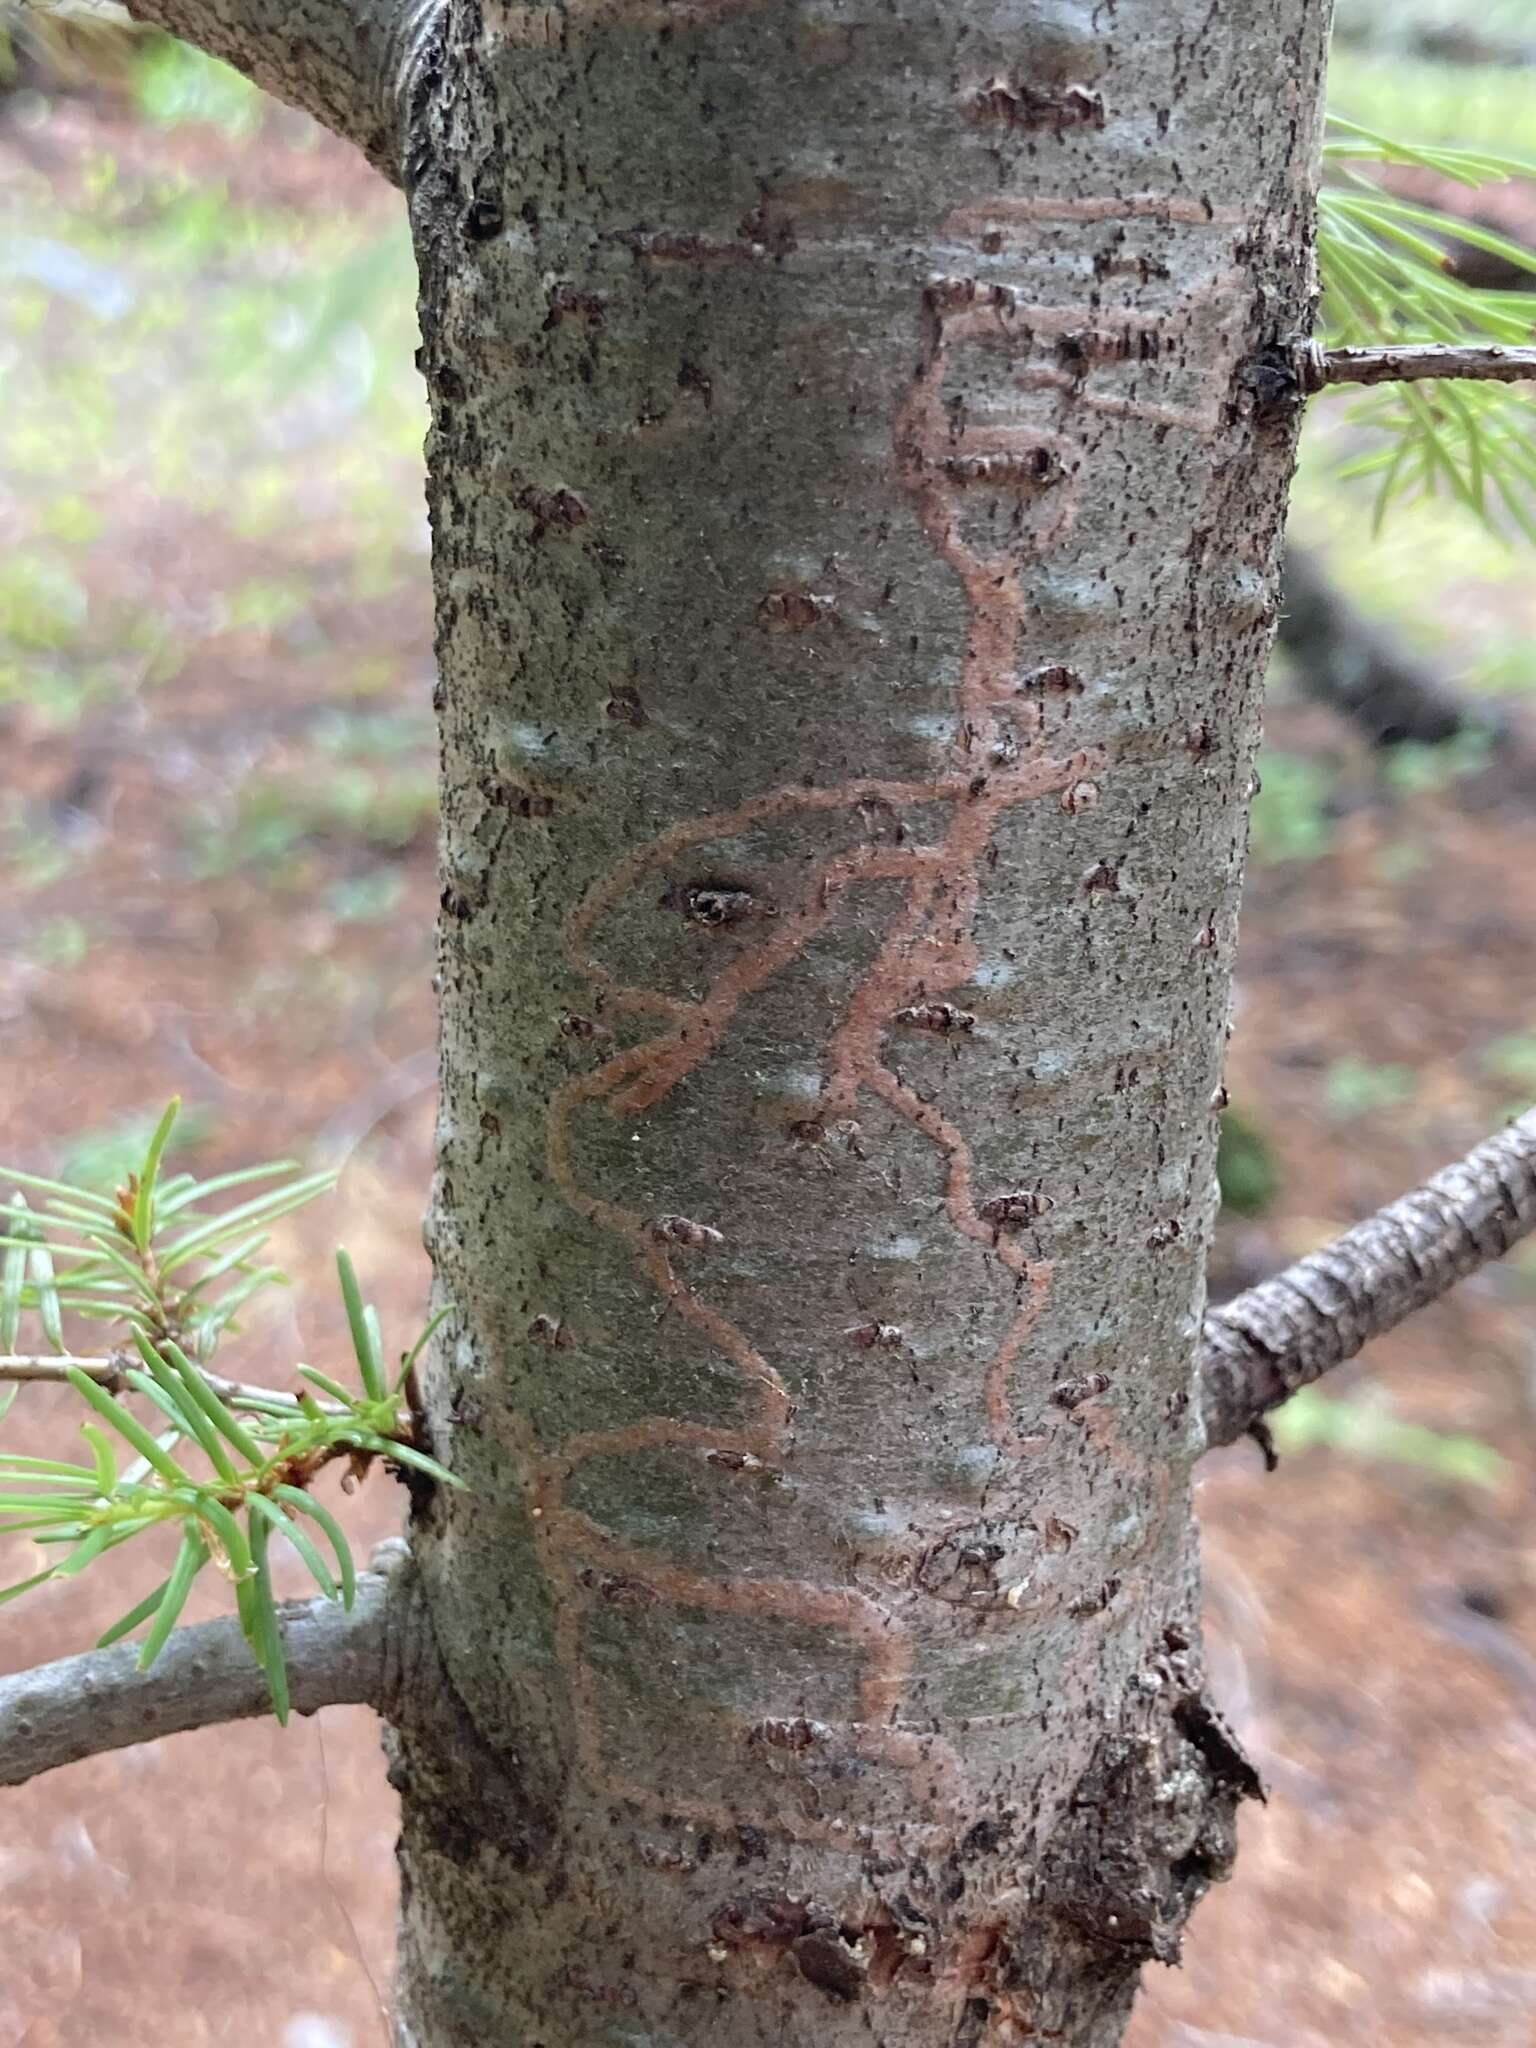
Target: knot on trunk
{"type": "Point", "coordinates": [465, 1794]}
{"type": "Point", "coordinates": [1153, 1826]}
{"type": "Point", "coordinates": [1150, 1827]}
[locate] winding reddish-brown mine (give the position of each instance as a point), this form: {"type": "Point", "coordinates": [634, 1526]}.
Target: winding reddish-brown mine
{"type": "Point", "coordinates": [997, 757]}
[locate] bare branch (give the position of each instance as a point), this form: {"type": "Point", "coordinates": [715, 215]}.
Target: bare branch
{"type": "Point", "coordinates": [1436, 42]}
{"type": "Point", "coordinates": [83, 1706]}
{"type": "Point", "coordinates": [1289, 1331]}
{"type": "Point", "coordinates": [1363, 671]}
{"type": "Point", "coordinates": [349, 63]}
{"type": "Point", "coordinates": [110, 1373]}
{"type": "Point", "coordinates": [1418, 364]}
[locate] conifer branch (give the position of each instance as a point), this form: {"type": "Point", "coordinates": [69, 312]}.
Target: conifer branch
{"type": "Point", "coordinates": [84, 1706]}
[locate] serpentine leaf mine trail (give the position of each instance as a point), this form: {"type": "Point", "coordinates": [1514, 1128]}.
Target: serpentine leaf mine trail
{"type": "Point", "coordinates": [997, 756]}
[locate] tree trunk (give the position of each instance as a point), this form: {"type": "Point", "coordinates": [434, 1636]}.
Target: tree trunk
{"type": "Point", "coordinates": [855, 550]}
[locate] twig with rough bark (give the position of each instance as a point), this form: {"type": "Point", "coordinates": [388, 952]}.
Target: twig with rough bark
{"type": "Point", "coordinates": [1288, 1331]}
{"type": "Point", "coordinates": [349, 63]}
{"type": "Point", "coordinates": [1415, 363]}
{"type": "Point", "coordinates": [83, 1706]}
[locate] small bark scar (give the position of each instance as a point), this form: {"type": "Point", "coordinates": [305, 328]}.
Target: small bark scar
{"type": "Point", "coordinates": [1012, 103]}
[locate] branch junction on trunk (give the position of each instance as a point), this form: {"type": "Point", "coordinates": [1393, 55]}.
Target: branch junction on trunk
{"type": "Point", "coordinates": [351, 64]}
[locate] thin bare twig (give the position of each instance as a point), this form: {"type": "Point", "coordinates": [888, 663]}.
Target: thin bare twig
{"type": "Point", "coordinates": [1366, 672]}
{"type": "Point", "coordinates": [1457, 42]}
{"type": "Point", "coordinates": [1289, 1331]}
{"type": "Point", "coordinates": [111, 1374]}
{"type": "Point", "coordinates": [1415, 364]}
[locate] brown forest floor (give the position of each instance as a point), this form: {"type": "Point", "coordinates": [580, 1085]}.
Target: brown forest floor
{"type": "Point", "coordinates": [1373, 1622]}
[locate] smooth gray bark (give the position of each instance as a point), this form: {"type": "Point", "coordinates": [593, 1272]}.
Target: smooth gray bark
{"type": "Point", "coordinates": [855, 547]}
{"type": "Point", "coordinates": [83, 1706]}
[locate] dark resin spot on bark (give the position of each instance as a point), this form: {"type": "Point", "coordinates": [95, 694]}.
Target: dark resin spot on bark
{"type": "Point", "coordinates": [719, 904]}
{"type": "Point", "coordinates": [1035, 468]}
{"type": "Point", "coordinates": [1018, 1206]}
{"type": "Point", "coordinates": [682, 1230]}
{"type": "Point", "coordinates": [559, 507]}
{"type": "Point", "coordinates": [1072, 1393]}
{"type": "Point", "coordinates": [982, 1837]}
{"type": "Point", "coordinates": [935, 1017]}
